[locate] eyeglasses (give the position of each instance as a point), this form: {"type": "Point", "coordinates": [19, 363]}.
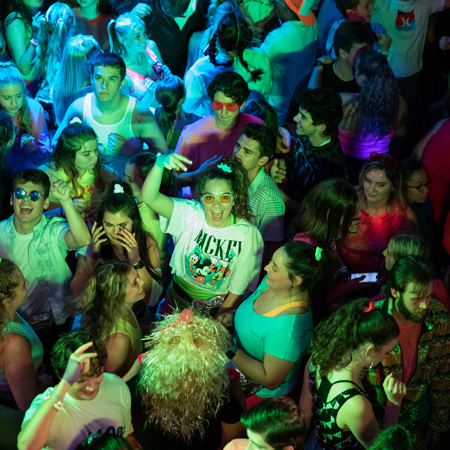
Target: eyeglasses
{"type": "Point", "coordinates": [230, 107]}
{"type": "Point", "coordinates": [422, 187]}
{"type": "Point", "coordinates": [20, 194]}
{"type": "Point", "coordinates": [387, 160]}
{"type": "Point", "coordinates": [209, 199]}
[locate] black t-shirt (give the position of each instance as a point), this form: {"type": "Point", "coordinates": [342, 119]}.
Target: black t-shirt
{"type": "Point", "coordinates": [152, 438]}
{"type": "Point", "coordinates": [331, 80]}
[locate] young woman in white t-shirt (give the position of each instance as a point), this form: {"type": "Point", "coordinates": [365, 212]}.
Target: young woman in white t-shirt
{"type": "Point", "coordinates": [217, 250]}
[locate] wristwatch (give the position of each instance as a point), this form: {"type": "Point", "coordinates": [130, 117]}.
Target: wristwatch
{"type": "Point", "coordinates": [232, 352]}
{"type": "Point", "coordinates": [139, 265]}
{"type": "Point", "coordinates": [318, 63]}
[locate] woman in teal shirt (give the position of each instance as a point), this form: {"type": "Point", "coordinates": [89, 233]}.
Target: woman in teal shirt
{"type": "Point", "coordinates": [273, 327]}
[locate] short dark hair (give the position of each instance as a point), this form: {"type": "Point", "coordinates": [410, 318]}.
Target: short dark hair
{"type": "Point", "coordinates": [265, 138]}
{"type": "Point", "coordinates": [108, 59]}
{"type": "Point", "coordinates": [408, 167]}
{"type": "Point", "coordinates": [350, 33]}
{"type": "Point", "coordinates": [324, 106]}
{"type": "Point", "coordinates": [231, 84]}
{"type": "Point", "coordinates": [70, 342]}
{"type": "Point", "coordinates": [34, 176]}
{"type": "Point", "coordinates": [343, 5]}
{"type": "Point", "coordinates": [279, 420]}
{"type": "Point", "coordinates": [399, 436]}
{"type": "Point", "coordinates": [174, 8]}
{"type": "Point", "coordinates": [409, 269]}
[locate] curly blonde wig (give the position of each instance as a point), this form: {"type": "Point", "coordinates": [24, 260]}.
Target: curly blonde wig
{"type": "Point", "coordinates": [184, 379]}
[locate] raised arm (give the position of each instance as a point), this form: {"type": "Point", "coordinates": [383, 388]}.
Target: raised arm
{"type": "Point", "coordinates": [316, 76]}
{"type": "Point", "coordinates": [420, 146]}
{"type": "Point", "coordinates": [78, 234]}
{"type": "Point", "coordinates": [158, 202]}
{"type": "Point", "coordinates": [75, 110]}
{"type": "Point", "coordinates": [148, 130]}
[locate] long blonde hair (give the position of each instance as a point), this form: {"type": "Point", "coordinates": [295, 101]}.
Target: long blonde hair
{"type": "Point", "coordinates": [74, 73]}
{"type": "Point", "coordinates": [55, 29]}
{"type": "Point", "coordinates": [119, 29]}
{"type": "Point", "coordinates": [10, 75]}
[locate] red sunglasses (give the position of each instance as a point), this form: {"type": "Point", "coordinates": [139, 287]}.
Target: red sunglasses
{"type": "Point", "coordinates": [231, 107]}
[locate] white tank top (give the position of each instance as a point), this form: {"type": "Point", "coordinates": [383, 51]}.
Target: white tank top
{"type": "Point", "coordinates": [124, 128]}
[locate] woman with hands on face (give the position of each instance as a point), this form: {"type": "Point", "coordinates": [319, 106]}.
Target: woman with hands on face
{"type": "Point", "coordinates": [118, 235]}
{"type": "Point", "coordinates": [355, 338]}
{"type": "Point", "coordinates": [76, 160]}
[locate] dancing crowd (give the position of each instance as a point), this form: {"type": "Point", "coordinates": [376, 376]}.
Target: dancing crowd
{"type": "Point", "coordinates": [224, 224]}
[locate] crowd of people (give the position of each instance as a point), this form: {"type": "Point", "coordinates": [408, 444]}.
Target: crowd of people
{"type": "Point", "coordinates": [224, 224]}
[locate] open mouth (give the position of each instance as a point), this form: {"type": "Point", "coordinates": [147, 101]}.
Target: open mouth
{"type": "Point", "coordinates": [26, 210]}
{"type": "Point", "coordinates": [217, 215]}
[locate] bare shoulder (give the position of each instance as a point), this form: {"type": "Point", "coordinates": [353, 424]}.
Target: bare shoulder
{"type": "Point", "coordinates": [15, 345]}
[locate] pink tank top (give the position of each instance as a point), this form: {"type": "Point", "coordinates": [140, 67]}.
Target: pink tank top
{"type": "Point", "coordinates": [362, 147]}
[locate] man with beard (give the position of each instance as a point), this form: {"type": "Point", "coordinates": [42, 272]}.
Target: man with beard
{"type": "Point", "coordinates": [421, 358]}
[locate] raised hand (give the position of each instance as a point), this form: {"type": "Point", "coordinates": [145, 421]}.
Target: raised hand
{"type": "Point", "coordinates": [35, 23]}
{"type": "Point", "coordinates": [141, 10]}
{"type": "Point", "coordinates": [115, 142]}
{"type": "Point", "coordinates": [395, 390]}
{"type": "Point", "coordinates": [209, 162]}
{"type": "Point", "coordinates": [278, 171]}
{"type": "Point", "coordinates": [61, 191]}
{"type": "Point", "coordinates": [128, 241]}
{"type": "Point", "coordinates": [79, 363]}
{"type": "Point", "coordinates": [80, 205]}
{"type": "Point", "coordinates": [27, 143]}
{"type": "Point", "coordinates": [384, 42]}
{"type": "Point", "coordinates": [172, 161]}
{"type": "Point", "coordinates": [96, 238]}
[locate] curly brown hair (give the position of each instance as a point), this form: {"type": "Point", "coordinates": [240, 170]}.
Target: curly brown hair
{"type": "Point", "coordinates": [336, 338]}
{"type": "Point", "coordinates": [238, 181]}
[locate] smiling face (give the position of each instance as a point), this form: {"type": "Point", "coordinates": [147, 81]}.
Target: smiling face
{"type": "Point", "coordinates": [277, 274]}
{"type": "Point", "coordinates": [11, 98]}
{"type": "Point", "coordinates": [86, 158]}
{"type": "Point", "coordinates": [224, 119]}
{"type": "Point", "coordinates": [86, 388]}
{"type": "Point", "coordinates": [305, 126]}
{"type": "Point", "coordinates": [26, 211]}
{"type": "Point", "coordinates": [135, 288]}
{"type": "Point", "coordinates": [217, 214]}
{"type": "Point", "coordinates": [418, 179]}
{"type": "Point", "coordinates": [413, 304]}
{"type": "Point", "coordinates": [106, 83]}
{"type": "Point", "coordinates": [136, 40]}
{"type": "Point", "coordinates": [377, 187]}
{"type": "Point", "coordinates": [113, 223]}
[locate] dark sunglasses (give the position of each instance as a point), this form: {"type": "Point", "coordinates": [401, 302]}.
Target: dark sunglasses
{"type": "Point", "coordinates": [20, 194]}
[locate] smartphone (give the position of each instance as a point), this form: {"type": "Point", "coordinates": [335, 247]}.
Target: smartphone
{"type": "Point", "coordinates": [371, 277]}
{"type": "Point", "coordinates": [158, 68]}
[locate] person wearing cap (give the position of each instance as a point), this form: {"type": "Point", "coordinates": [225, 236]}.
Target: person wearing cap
{"type": "Point", "coordinates": [291, 50]}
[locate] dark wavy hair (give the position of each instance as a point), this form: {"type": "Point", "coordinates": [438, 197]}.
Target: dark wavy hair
{"type": "Point", "coordinates": [392, 173]}
{"type": "Point", "coordinates": [322, 210]}
{"type": "Point", "coordinates": [7, 130]}
{"type": "Point", "coordinates": [233, 35]}
{"type": "Point", "coordinates": [70, 342]}
{"type": "Point", "coordinates": [237, 180]}
{"type": "Point", "coordinates": [279, 420]}
{"type": "Point", "coordinates": [324, 106]}
{"type": "Point", "coordinates": [169, 92]}
{"type": "Point", "coordinates": [8, 282]}
{"type": "Point", "coordinates": [399, 436]}
{"type": "Point", "coordinates": [335, 339]}
{"type": "Point", "coordinates": [72, 139]}
{"type": "Point", "coordinates": [126, 204]}
{"type": "Point", "coordinates": [21, 11]}
{"type": "Point", "coordinates": [103, 299]}
{"type": "Point", "coordinates": [266, 112]}
{"type": "Point", "coordinates": [408, 167]}
{"type": "Point", "coordinates": [231, 84]}
{"type": "Point", "coordinates": [406, 270]}
{"type": "Point", "coordinates": [378, 102]}
{"type": "Point", "coordinates": [316, 274]}
{"type": "Point", "coordinates": [36, 176]}
{"type": "Point", "coordinates": [262, 135]}
{"type": "Point", "coordinates": [350, 33]}
{"type": "Point", "coordinates": [108, 59]}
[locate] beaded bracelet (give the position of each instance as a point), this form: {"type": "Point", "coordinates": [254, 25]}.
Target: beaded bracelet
{"type": "Point", "coordinates": [58, 405]}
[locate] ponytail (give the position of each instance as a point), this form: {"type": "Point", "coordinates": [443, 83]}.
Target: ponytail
{"type": "Point", "coordinates": [114, 43]}
{"type": "Point", "coordinates": [354, 324]}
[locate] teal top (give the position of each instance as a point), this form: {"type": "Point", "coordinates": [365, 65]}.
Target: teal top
{"type": "Point", "coordinates": [285, 337]}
